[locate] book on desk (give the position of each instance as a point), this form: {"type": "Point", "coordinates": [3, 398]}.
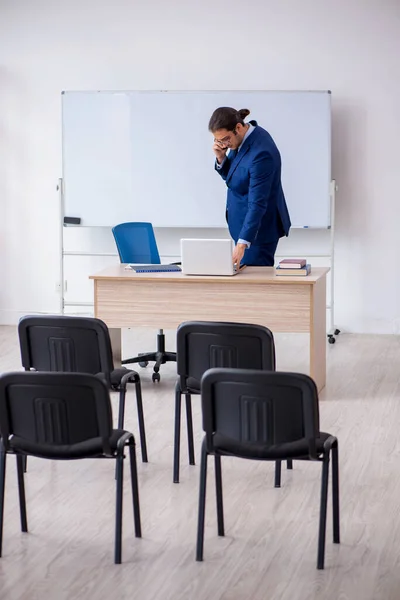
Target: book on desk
{"type": "Point", "coordinates": [297, 267]}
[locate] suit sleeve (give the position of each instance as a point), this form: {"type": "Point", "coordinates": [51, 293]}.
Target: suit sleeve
{"type": "Point", "coordinates": [224, 168]}
{"type": "Point", "coordinates": [261, 178]}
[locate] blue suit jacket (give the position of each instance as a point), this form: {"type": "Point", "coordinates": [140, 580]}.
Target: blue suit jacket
{"type": "Point", "coordinates": [256, 206]}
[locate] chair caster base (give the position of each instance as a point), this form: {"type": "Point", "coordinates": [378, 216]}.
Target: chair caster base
{"type": "Point", "coordinates": [331, 336]}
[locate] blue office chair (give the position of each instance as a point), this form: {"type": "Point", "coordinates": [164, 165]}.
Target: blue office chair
{"type": "Point", "coordinates": [136, 243]}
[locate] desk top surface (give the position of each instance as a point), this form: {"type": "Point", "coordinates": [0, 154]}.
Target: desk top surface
{"type": "Point", "coordinates": [248, 275]}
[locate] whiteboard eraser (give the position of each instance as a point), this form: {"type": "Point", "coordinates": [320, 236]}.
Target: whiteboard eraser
{"type": "Point", "coordinates": [72, 220]}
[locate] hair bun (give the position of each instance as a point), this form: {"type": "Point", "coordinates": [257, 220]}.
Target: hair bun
{"type": "Point", "coordinates": [243, 113]}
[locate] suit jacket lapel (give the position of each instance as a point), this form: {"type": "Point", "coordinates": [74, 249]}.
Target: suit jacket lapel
{"type": "Point", "coordinates": [237, 159]}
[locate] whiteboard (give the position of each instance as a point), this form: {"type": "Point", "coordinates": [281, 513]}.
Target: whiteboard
{"type": "Point", "coordinates": [147, 155]}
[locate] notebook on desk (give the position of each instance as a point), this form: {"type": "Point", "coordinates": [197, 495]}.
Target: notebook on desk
{"type": "Point", "coordinates": [155, 268]}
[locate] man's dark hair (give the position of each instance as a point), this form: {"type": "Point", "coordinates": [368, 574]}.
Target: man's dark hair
{"type": "Point", "coordinates": [227, 118]}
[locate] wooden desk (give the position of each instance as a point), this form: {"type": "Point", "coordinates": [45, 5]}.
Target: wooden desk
{"type": "Point", "coordinates": [123, 298]}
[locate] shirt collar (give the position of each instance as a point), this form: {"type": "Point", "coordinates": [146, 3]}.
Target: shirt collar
{"type": "Point", "coordinates": [246, 135]}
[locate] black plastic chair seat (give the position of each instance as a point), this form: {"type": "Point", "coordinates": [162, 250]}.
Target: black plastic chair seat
{"type": "Point", "coordinates": [298, 449]}
{"type": "Point", "coordinates": [91, 448]}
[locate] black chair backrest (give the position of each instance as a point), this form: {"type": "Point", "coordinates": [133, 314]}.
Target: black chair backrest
{"type": "Point", "coordinates": [65, 344]}
{"type": "Point", "coordinates": [49, 410]}
{"type": "Point", "coordinates": [202, 345]}
{"type": "Point", "coordinates": [259, 408]}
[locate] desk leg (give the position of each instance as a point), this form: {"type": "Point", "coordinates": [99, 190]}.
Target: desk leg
{"type": "Point", "coordinates": [116, 344]}
{"type": "Point", "coordinates": [318, 333]}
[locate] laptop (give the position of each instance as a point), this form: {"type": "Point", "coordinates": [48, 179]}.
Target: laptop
{"type": "Point", "coordinates": [207, 257]}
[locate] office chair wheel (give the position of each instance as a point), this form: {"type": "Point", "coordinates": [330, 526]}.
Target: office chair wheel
{"type": "Point", "coordinates": [156, 377]}
{"type": "Point", "coordinates": [143, 363]}
{"type": "Point", "coordinates": [331, 339]}
{"type": "Point", "coordinates": [337, 331]}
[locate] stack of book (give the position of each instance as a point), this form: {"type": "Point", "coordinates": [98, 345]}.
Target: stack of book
{"type": "Point", "coordinates": [293, 266]}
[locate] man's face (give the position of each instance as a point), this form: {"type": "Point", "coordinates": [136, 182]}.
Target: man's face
{"type": "Point", "coordinates": [230, 139]}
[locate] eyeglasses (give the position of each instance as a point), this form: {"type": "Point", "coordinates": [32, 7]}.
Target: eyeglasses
{"type": "Point", "coordinates": [226, 139]}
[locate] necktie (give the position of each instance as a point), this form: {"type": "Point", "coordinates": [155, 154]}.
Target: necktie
{"type": "Point", "coordinates": [232, 155]}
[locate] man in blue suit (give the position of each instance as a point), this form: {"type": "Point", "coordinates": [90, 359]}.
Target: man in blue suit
{"type": "Point", "coordinates": [256, 210]}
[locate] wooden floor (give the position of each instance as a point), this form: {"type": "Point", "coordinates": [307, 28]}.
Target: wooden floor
{"type": "Point", "coordinates": [269, 552]}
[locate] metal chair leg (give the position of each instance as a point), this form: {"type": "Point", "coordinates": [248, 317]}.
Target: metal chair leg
{"type": "Point", "coordinates": [121, 408]}
{"type": "Point", "coordinates": [142, 430]}
{"type": "Point", "coordinates": [121, 415]}
{"type": "Point", "coordinates": [177, 433]}
{"type": "Point", "coordinates": [189, 422]}
{"type": "Point", "coordinates": [118, 510]}
{"type": "Point", "coordinates": [202, 503]}
{"type": "Point", "coordinates": [2, 490]}
{"type": "Point", "coordinates": [135, 490]}
{"type": "Point", "coordinates": [322, 513]}
{"type": "Point", "coordinates": [289, 463]}
{"type": "Point", "coordinates": [335, 494]}
{"type": "Point", "coordinates": [21, 493]}
{"type": "Point", "coordinates": [278, 470]}
{"type": "Point", "coordinates": [219, 496]}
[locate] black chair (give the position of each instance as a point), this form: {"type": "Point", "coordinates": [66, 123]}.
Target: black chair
{"type": "Point", "coordinates": [264, 416]}
{"type": "Point", "coordinates": [78, 345]}
{"type": "Point", "coordinates": [202, 345]}
{"type": "Point", "coordinates": [136, 243]}
{"type": "Point", "coordinates": [62, 416]}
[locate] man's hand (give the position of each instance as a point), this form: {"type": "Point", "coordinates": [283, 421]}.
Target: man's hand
{"type": "Point", "coordinates": [238, 253]}
{"type": "Point", "coordinates": [220, 152]}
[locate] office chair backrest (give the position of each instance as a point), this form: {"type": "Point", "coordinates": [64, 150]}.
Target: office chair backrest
{"type": "Point", "coordinates": [202, 345]}
{"type": "Point", "coordinates": [244, 408]}
{"type": "Point", "coordinates": [66, 344]}
{"type": "Point", "coordinates": [136, 243]}
{"type": "Point", "coordinates": [49, 412]}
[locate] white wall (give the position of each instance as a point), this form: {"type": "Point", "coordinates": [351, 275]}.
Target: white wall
{"type": "Point", "coordinates": [349, 46]}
